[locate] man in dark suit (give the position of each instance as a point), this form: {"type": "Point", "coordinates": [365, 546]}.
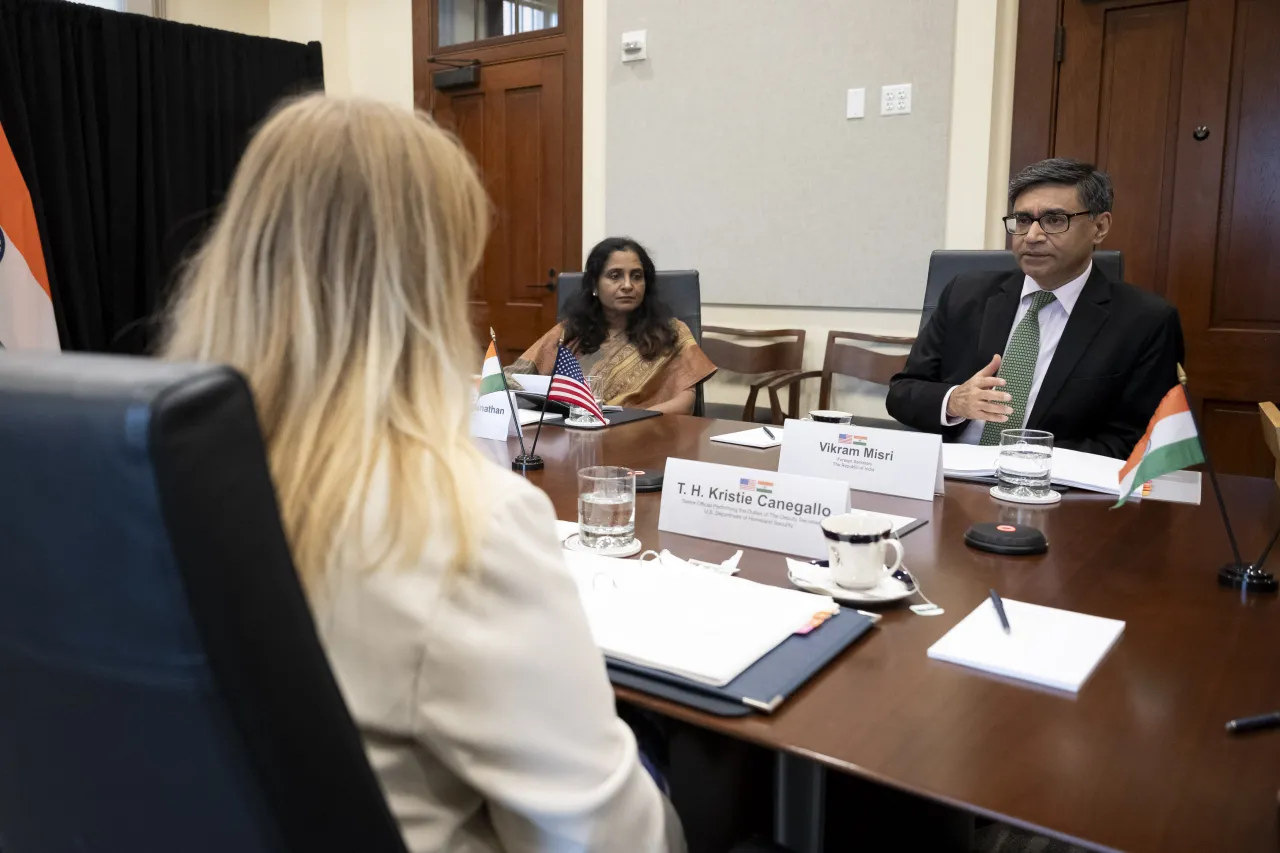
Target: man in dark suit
{"type": "Point", "coordinates": [1058, 346]}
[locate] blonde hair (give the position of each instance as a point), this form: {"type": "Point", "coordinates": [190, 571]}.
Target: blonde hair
{"type": "Point", "coordinates": [336, 280]}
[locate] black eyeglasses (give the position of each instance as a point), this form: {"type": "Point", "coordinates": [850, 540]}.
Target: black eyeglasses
{"type": "Point", "coordinates": [1050, 223]}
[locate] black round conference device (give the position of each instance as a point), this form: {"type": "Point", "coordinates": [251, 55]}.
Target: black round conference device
{"type": "Point", "coordinates": [648, 481]}
{"type": "Point", "coordinates": [1006, 538]}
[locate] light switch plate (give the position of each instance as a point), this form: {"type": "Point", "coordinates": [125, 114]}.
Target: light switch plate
{"type": "Point", "coordinates": [855, 103]}
{"type": "Point", "coordinates": [635, 46]}
{"type": "Point", "coordinates": [895, 100]}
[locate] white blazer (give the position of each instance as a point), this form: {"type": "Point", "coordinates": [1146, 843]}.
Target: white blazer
{"type": "Point", "coordinates": [484, 703]}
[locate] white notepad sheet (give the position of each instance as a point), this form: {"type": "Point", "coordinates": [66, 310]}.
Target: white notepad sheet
{"type": "Point", "coordinates": [1047, 646]}
{"type": "Point", "coordinates": [701, 625]}
{"type": "Point", "coordinates": [752, 438]}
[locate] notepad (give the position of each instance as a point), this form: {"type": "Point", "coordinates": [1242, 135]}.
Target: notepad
{"type": "Point", "coordinates": [696, 624]}
{"type": "Point", "coordinates": [752, 438]}
{"type": "Point", "coordinates": [1047, 646]}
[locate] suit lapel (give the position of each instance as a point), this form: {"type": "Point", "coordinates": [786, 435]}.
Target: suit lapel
{"type": "Point", "coordinates": [1090, 313]}
{"type": "Point", "coordinates": [997, 318]}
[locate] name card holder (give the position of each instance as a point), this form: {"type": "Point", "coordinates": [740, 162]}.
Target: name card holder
{"type": "Point", "coordinates": [749, 507]}
{"type": "Point", "coordinates": [887, 461]}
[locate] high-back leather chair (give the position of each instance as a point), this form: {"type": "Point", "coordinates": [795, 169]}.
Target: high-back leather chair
{"type": "Point", "coordinates": [946, 264]}
{"type": "Point", "coordinates": [679, 289]}
{"type": "Point", "coordinates": [162, 687]}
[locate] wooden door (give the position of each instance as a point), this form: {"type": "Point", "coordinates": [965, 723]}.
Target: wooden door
{"type": "Point", "coordinates": [521, 122]}
{"type": "Point", "coordinates": [1179, 100]}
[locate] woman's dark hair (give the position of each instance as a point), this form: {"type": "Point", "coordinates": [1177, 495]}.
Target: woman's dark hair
{"type": "Point", "coordinates": [648, 326]}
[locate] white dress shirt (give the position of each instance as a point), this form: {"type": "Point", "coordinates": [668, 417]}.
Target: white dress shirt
{"type": "Point", "coordinates": [484, 703]}
{"type": "Point", "coordinates": [1053, 319]}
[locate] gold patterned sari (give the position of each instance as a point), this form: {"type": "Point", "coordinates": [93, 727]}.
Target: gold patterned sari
{"type": "Point", "coordinates": [625, 377]}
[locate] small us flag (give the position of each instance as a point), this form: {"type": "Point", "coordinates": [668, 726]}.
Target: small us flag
{"type": "Point", "coordinates": [746, 485]}
{"type": "Point", "coordinates": [569, 385]}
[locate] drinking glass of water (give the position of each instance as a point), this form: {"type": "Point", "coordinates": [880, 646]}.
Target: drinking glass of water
{"type": "Point", "coordinates": [579, 415]}
{"type": "Point", "coordinates": [1025, 463]}
{"type": "Point", "coordinates": [606, 507]}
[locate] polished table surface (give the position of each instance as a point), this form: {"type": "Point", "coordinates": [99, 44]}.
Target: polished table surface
{"type": "Point", "coordinates": [1138, 760]}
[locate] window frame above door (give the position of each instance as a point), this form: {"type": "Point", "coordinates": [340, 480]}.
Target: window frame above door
{"type": "Point", "coordinates": [432, 9]}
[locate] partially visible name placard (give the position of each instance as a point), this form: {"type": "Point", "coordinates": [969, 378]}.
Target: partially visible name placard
{"type": "Point", "coordinates": [888, 461]}
{"type": "Point", "coordinates": [744, 506]}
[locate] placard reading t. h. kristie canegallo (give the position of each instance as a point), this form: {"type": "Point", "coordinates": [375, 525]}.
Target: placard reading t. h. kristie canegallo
{"type": "Point", "coordinates": [746, 506]}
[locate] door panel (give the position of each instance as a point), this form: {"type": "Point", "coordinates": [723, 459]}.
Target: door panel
{"type": "Point", "coordinates": [1120, 110]}
{"type": "Point", "coordinates": [522, 124]}
{"type": "Point", "coordinates": [1249, 228]}
{"type": "Point", "coordinates": [1197, 216]}
{"type": "Point", "coordinates": [512, 125]}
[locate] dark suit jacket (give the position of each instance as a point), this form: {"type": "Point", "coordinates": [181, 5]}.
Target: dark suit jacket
{"type": "Point", "coordinates": [1116, 360]}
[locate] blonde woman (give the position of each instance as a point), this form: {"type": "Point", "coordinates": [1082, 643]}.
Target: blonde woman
{"type": "Point", "coordinates": [335, 280]}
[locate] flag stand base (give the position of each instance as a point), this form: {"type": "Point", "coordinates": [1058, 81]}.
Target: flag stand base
{"type": "Point", "coordinates": [1247, 578]}
{"type": "Point", "coordinates": [525, 462]}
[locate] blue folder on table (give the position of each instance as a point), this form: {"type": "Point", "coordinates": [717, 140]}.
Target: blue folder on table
{"type": "Point", "coordinates": [765, 684]}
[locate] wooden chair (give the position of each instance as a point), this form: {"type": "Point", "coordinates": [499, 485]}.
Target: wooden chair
{"type": "Point", "coordinates": [1271, 432]}
{"type": "Point", "coordinates": [846, 360]}
{"type": "Point", "coordinates": [766, 362]}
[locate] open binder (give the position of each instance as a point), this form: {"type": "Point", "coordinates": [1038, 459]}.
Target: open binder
{"type": "Point", "coordinates": [764, 685]}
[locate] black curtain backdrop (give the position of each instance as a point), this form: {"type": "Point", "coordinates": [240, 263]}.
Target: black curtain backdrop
{"type": "Point", "coordinates": [127, 130]}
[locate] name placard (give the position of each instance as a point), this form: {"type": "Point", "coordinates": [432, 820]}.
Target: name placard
{"type": "Point", "coordinates": [888, 461]}
{"type": "Point", "coordinates": [491, 416]}
{"type": "Point", "coordinates": [745, 506]}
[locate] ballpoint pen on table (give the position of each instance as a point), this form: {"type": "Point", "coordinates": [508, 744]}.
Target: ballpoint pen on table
{"type": "Point", "coordinates": [999, 605]}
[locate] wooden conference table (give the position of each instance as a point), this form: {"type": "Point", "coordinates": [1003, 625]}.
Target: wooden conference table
{"type": "Point", "coordinates": [1137, 761]}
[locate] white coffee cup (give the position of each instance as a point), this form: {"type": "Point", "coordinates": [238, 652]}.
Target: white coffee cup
{"type": "Point", "coordinates": [831, 416]}
{"type": "Point", "coordinates": [856, 542]}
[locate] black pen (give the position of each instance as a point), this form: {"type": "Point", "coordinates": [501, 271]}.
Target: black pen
{"type": "Point", "coordinates": [1254, 724]}
{"type": "Point", "coordinates": [768, 432]}
{"type": "Point", "coordinates": [999, 605]}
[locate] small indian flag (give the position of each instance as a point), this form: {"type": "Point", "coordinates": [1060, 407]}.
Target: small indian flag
{"type": "Point", "coordinates": [1170, 444]}
{"type": "Point", "coordinates": [491, 373]}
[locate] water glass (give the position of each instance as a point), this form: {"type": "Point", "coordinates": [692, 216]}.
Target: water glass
{"type": "Point", "coordinates": [579, 415]}
{"type": "Point", "coordinates": [1025, 463]}
{"type": "Point", "coordinates": [606, 507]}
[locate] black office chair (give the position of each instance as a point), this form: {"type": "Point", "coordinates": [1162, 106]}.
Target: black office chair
{"type": "Point", "coordinates": [680, 290]}
{"type": "Point", "coordinates": [946, 264]}
{"type": "Point", "coordinates": [162, 687]}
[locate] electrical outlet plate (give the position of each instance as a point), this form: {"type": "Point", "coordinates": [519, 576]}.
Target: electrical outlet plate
{"type": "Point", "coordinates": [895, 100]}
{"type": "Point", "coordinates": [635, 46]}
{"type": "Point", "coordinates": [855, 103]}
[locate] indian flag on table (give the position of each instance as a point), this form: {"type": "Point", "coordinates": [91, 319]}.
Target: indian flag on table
{"type": "Point", "coordinates": [491, 373]}
{"type": "Point", "coordinates": [1170, 444]}
{"type": "Point", "coordinates": [26, 307]}
{"type": "Point", "coordinates": [491, 417]}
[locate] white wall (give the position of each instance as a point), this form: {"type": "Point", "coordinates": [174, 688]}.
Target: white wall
{"type": "Point", "coordinates": [971, 194]}
{"type": "Point", "coordinates": [250, 17]}
{"type": "Point", "coordinates": [368, 44]}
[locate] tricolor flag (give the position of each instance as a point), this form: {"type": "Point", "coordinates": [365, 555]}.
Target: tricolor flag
{"type": "Point", "coordinates": [26, 307]}
{"type": "Point", "coordinates": [1171, 443]}
{"type": "Point", "coordinates": [569, 385]}
{"type": "Point", "coordinates": [491, 373]}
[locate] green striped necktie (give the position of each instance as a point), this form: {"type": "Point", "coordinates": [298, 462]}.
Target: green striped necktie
{"type": "Point", "coordinates": [1018, 367]}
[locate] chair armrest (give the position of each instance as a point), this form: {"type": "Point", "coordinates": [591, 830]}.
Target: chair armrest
{"type": "Point", "coordinates": [764, 379]}
{"type": "Point", "coordinates": [790, 380]}
{"type": "Point", "coordinates": [790, 377]}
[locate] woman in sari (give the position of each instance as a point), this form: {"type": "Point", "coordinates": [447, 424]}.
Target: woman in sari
{"type": "Point", "coordinates": [621, 332]}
